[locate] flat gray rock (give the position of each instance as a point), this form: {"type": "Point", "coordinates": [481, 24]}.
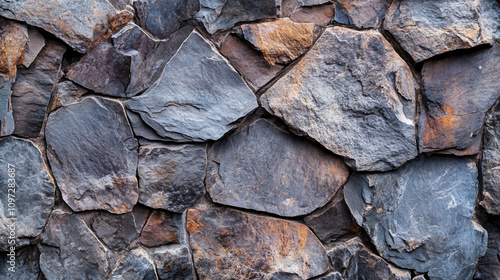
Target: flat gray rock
{"type": "Point", "coordinates": [26, 264]}
{"type": "Point", "coordinates": [35, 44]}
{"type": "Point", "coordinates": [488, 266]}
{"type": "Point", "coordinates": [173, 262]}
{"type": "Point", "coordinates": [93, 155]}
{"type": "Point", "coordinates": [199, 97]}
{"type": "Point", "coordinates": [419, 216]}
{"type": "Point", "coordinates": [135, 265]}
{"type": "Point", "coordinates": [361, 13]}
{"type": "Point", "coordinates": [354, 95]}
{"type": "Point", "coordinates": [491, 164]}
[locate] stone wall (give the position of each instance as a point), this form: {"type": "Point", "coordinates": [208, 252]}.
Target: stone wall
{"type": "Point", "coordinates": [250, 139]}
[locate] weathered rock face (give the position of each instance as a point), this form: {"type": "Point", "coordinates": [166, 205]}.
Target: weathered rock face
{"type": "Point", "coordinates": [233, 244]}
{"type": "Point", "coordinates": [292, 176]}
{"type": "Point", "coordinates": [13, 38]}
{"type": "Point", "coordinates": [426, 28]}
{"type": "Point", "coordinates": [319, 15]}
{"type": "Point", "coordinates": [162, 228]}
{"type": "Point", "coordinates": [93, 156]}
{"type": "Point", "coordinates": [488, 266]}
{"type": "Point", "coordinates": [361, 13]}
{"type": "Point", "coordinates": [96, 20]}
{"type": "Point", "coordinates": [26, 264]}
{"type": "Point", "coordinates": [65, 93]}
{"type": "Point", "coordinates": [198, 98]}
{"type": "Point", "coordinates": [361, 111]}
{"type": "Point", "coordinates": [459, 90]}
{"type": "Point", "coordinates": [171, 177]}
{"type": "Point", "coordinates": [491, 164]}
{"type": "Point", "coordinates": [439, 238]}
{"type": "Point", "coordinates": [29, 203]}
{"type": "Point", "coordinates": [173, 262]}
{"type": "Point", "coordinates": [135, 265]}
{"type": "Point", "coordinates": [35, 44]}
{"type": "Point", "coordinates": [6, 118]}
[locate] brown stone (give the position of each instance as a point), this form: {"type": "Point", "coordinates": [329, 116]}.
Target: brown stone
{"type": "Point", "coordinates": [161, 229]}
{"type": "Point", "coordinates": [13, 38]}
{"type": "Point", "coordinates": [319, 15]}
{"type": "Point", "coordinates": [361, 13]}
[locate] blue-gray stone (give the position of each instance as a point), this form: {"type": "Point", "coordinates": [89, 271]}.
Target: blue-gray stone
{"type": "Point", "coordinates": [134, 266]}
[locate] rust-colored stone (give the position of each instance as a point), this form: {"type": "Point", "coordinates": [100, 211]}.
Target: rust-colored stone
{"type": "Point", "coordinates": [162, 228]}
{"type": "Point", "coordinates": [13, 38]}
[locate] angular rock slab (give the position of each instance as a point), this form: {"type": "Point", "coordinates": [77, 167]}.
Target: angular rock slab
{"type": "Point", "coordinates": [135, 265]}
{"type": "Point", "coordinates": [6, 118]}
{"type": "Point", "coordinates": [13, 39]}
{"type": "Point", "coordinates": [354, 95]}
{"type": "Point", "coordinates": [34, 191]}
{"type": "Point", "coordinates": [199, 97]}
{"type": "Point", "coordinates": [361, 13]}
{"type": "Point", "coordinates": [65, 93]}
{"type": "Point", "coordinates": [427, 28]}
{"type": "Point", "coordinates": [229, 243]}
{"type": "Point", "coordinates": [491, 164]}
{"type": "Point", "coordinates": [69, 250]}
{"type": "Point", "coordinates": [459, 90]}
{"type": "Point", "coordinates": [26, 264]}
{"type": "Point", "coordinates": [162, 228]}
{"type": "Point", "coordinates": [173, 262]}
{"type": "Point", "coordinates": [171, 177]}
{"type": "Point", "coordinates": [79, 23]}
{"type": "Point", "coordinates": [319, 15]}
{"type": "Point", "coordinates": [35, 44]}
{"type": "Point", "coordinates": [93, 155]}
{"type": "Point", "coordinates": [419, 216]}
{"type": "Point", "coordinates": [266, 169]}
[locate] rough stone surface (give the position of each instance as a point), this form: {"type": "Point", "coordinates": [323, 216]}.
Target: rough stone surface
{"type": "Point", "coordinates": [33, 193]}
{"type": "Point", "coordinates": [79, 23]}
{"type": "Point", "coordinates": [35, 44]}
{"type": "Point", "coordinates": [135, 265]}
{"type": "Point", "coordinates": [439, 238]}
{"type": "Point", "coordinates": [233, 244]}
{"type": "Point", "coordinates": [355, 261]}
{"type": "Point", "coordinates": [6, 118]}
{"type": "Point", "coordinates": [141, 129]}
{"type": "Point", "coordinates": [319, 15]}
{"type": "Point", "coordinates": [32, 89]}
{"type": "Point", "coordinates": [488, 266]}
{"type": "Point", "coordinates": [171, 177]}
{"type": "Point", "coordinates": [428, 28]}
{"type": "Point", "coordinates": [361, 109]}
{"type": "Point", "coordinates": [361, 13]}
{"type": "Point", "coordinates": [65, 93]}
{"type": "Point", "coordinates": [302, 3]}
{"type": "Point", "coordinates": [26, 264]}
{"type": "Point", "coordinates": [93, 155]}
{"type": "Point", "coordinates": [205, 97]}
{"type": "Point", "coordinates": [459, 90]}
{"type": "Point", "coordinates": [162, 228]}
{"type": "Point", "coordinates": [491, 164]}
{"type": "Point", "coordinates": [266, 169]}
{"type": "Point", "coordinates": [173, 262]}
{"type": "Point", "coordinates": [13, 38]}
{"type": "Point", "coordinates": [331, 276]}
{"type": "Point", "coordinates": [69, 250]}
{"type": "Point", "coordinates": [223, 14]}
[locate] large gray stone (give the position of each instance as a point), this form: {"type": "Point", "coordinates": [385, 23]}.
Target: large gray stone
{"type": "Point", "coordinates": [491, 164]}
{"type": "Point", "coordinates": [134, 266]}
{"type": "Point", "coordinates": [419, 216]}
{"type": "Point", "coordinates": [354, 95]}
{"type": "Point", "coordinates": [199, 97]}
{"type": "Point", "coordinates": [361, 13]}
{"type": "Point", "coordinates": [26, 264]}
{"type": "Point", "coordinates": [266, 169]}
{"type": "Point", "coordinates": [93, 155]}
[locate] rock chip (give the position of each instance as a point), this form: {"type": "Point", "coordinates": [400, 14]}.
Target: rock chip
{"type": "Point", "coordinates": [95, 21]}
{"type": "Point", "coordinates": [65, 93]}
{"type": "Point", "coordinates": [361, 13]}
{"type": "Point", "coordinates": [319, 15]}
{"type": "Point", "coordinates": [32, 197]}
{"type": "Point", "coordinates": [13, 38]}
{"type": "Point", "coordinates": [173, 262]}
{"type": "Point", "coordinates": [6, 118]}
{"type": "Point", "coordinates": [199, 97]}
{"type": "Point", "coordinates": [428, 28]}
{"type": "Point", "coordinates": [491, 164]}
{"type": "Point", "coordinates": [229, 243]}
{"type": "Point", "coordinates": [135, 265]}
{"type": "Point", "coordinates": [354, 95]}
{"type": "Point", "coordinates": [440, 238]}
{"type": "Point", "coordinates": [93, 155]}
{"type": "Point", "coordinates": [266, 169]}
{"type": "Point", "coordinates": [162, 228]}
{"type": "Point", "coordinates": [26, 266]}
{"type": "Point", "coordinates": [171, 177]}
{"type": "Point", "coordinates": [35, 44]}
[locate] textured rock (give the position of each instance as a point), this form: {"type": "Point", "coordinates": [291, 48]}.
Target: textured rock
{"type": "Point", "coordinates": [491, 164]}
{"type": "Point", "coordinates": [319, 15]}
{"type": "Point", "coordinates": [488, 266]}
{"type": "Point", "coordinates": [141, 129]}
{"type": "Point", "coordinates": [13, 38]}
{"type": "Point", "coordinates": [361, 109]}
{"type": "Point", "coordinates": [428, 28]}
{"type": "Point", "coordinates": [69, 250]}
{"type": "Point", "coordinates": [205, 97]}
{"type": "Point", "coordinates": [93, 155]}
{"type": "Point", "coordinates": [280, 41]}
{"type": "Point", "coordinates": [6, 118]}
{"type": "Point", "coordinates": [233, 244]}
{"type": "Point", "coordinates": [26, 264]}
{"type": "Point", "coordinates": [162, 18]}
{"type": "Point", "coordinates": [355, 261]}
{"type": "Point", "coordinates": [361, 13]}
{"type": "Point", "coordinates": [32, 89]}
{"type": "Point", "coordinates": [459, 90]}
{"type": "Point", "coordinates": [266, 169]}
{"type": "Point", "coordinates": [135, 265]}
{"type": "Point", "coordinates": [162, 228]}
{"type": "Point", "coordinates": [65, 93]}
{"type": "Point", "coordinates": [490, 15]}
{"type": "Point", "coordinates": [302, 3]}
{"type": "Point", "coordinates": [35, 44]}
{"type": "Point", "coordinates": [439, 238]}
{"type": "Point", "coordinates": [95, 21]}
{"type": "Point", "coordinates": [224, 14]}
{"type": "Point", "coordinates": [331, 276]}
{"type": "Point", "coordinates": [171, 177]}
{"type": "Point", "coordinates": [33, 194]}
{"type": "Point", "coordinates": [173, 262]}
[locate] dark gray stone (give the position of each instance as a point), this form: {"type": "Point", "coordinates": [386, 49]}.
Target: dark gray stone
{"type": "Point", "coordinates": [35, 44]}
{"type": "Point", "coordinates": [6, 118]}
{"type": "Point", "coordinates": [93, 155]}
{"type": "Point", "coordinates": [65, 93]}
{"type": "Point", "coordinates": [491, 164]}
{"type": "Point", "coordinates": [488, 266]}
{"type": "Point", "coordinates": [173, 262]}
{"type": "Point", "coordinates": [284, 276]}
{"type": "Point", "coordinates": [331, 276]}
{"type": "Point", "coordinates": [490, 16]}
{"type": "Point", "coordinates": [361, 13]}
{"type": "Point", "coordinates": [134, 266]}
{"type": "Point", "coordinates": [141, 129]}
{"type": "Point", "coordinates": [26, 266]}
{"type": "Point", "coordinates": [419, 216]}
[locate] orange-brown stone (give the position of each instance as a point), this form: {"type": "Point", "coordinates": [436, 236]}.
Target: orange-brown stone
{"type": "Point", "coordinates": [13, 38]}
{"type": "Point", "coordinates": [161, 228]}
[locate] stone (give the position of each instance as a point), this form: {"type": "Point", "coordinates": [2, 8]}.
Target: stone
{"type": "Point", "coordinates": [459, 90]}
{"type": "Point", "coordinates": [26, 264]}
{"type": "Point", "coordinates": [354, 95]}
{"type": "Point", "coordinates": [134, 265]}
{"type": "Point", "coordinates": [6, 117]}
{"type": "Point", "coordinates": [361, 13]}
{"type": "Point", "coordinates": [490, 15]}
{"type": "Point", "coordinates": [171, 177]}
{"type": "Point", "coordinates": [29, 203]}
{"type": "Point", "coordinates": [65, 93]}
{"type": "Point", "coordinates": [223, 14]}
{"type": "Point", "coordinates": [280, 41]}
{"type": "Point", "coordinates": [228, 243]}
{"type": "Point", "coordinates": [96, 20]}
{"type": "Point", "coordinates": [13, 38]}
{"type": "Point", "coordinates": [284, 276]}
{"type": "Point", "coordinates": [162, 228]}
{"type": "Point", "coordinates": [266, 169]}
{"type": "Point", "coordinates": [355, 261]}
{"type": "Point", "coordinates": [426, 28]}
{"type": "Point", "coordinates": [199, 97]}
{"type": "Point", "coordinates": [488, 266]}
{"type": "Point", "coordinates": [491, 164]}
{"type": "Point", "coordinates": [35, 44]}
{"type": "Point", "coordinates": [439, 239]}
{"type": "Point", "coordinates": [333, 221]}
{"type": "Point", "coordinates": [331, 276]}
{"type": "Point", "coordinates": [32, 89]}
{"type": "Point", "coordinates": [117, 232]}
{"type": "Point", "coordinates": [93, 156]}
{"type": "Point", "coordinates": [141, 129]}
{"type": "Point", "coordinates": [173, 262]}
{"type": "Point", "coordinates": [319, 15]}
{"type": "Point", "coordinates": [69, 250]}
{"type": "Point", "coordinates": [162, 18]}
{"type": "Point", "coordinates": [302, 3]}
{"type": "Point", "coordinates": [419, 277]}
